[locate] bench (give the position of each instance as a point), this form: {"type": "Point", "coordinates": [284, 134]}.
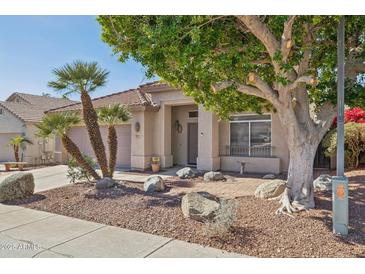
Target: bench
{"type": "Point", "coordinates": [9, 165]}
{"type": "Point", "coordinates": [242, 169]}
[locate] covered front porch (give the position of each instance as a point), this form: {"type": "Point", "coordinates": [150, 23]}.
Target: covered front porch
{"type": "Point", "coordinates": [195, 137]}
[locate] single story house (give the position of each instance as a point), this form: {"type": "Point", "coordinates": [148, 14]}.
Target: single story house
{"type": "Point", "coordinates": [168, 124]}
{"type": "Point", "coordinates": [18, 116]}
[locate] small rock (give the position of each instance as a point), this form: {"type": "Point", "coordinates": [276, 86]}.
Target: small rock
{"type": "Point", "coordinates": [154, 183]}
{"type": "Point", "coordinates": [185, 173]}
{"type": "Point", "coordinates": [269, 176]}
{"type": "Point", "coordinates": [212, 176]}
{"type": "Point", "coordinates": [323, 182]}
{"type": "Point", "coordinates": [270, 189]}
{"type": "Point", "coordinates": [17, 186]}
{"type": "Point", "coordinates": [104, 183]}
{"type": "Point", "coordinates": [199, 207]}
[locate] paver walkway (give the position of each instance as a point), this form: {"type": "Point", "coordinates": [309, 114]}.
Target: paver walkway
{"type": "Point", "coordinates": [31, 233]}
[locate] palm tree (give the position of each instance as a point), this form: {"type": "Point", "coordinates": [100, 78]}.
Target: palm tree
{"type": "Point", "coordinates": [57, 125]}
{"type": "Point", "coordinates": [111, 116]}
{"type": "Point", "coordinates": [84, 78]}
{"type": "Point", "coordinates": [18, 142]}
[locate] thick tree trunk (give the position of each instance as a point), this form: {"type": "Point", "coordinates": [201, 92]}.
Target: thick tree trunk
{"type": "Point", "coordinates": [299, 192]}
{"type": "Point", "coordinates": [113, 148]}
{"type": "Point", "coordinates": [75, 152]}
{"type": "Point", "coordinates": [91, 122]}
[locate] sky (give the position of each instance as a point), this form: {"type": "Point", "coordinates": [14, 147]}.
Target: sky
{"type": "Point", "coordinates": [32, 46]}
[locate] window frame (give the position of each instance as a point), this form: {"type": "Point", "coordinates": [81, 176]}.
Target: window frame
{"type": "Point", "coordinates": [249, 131]}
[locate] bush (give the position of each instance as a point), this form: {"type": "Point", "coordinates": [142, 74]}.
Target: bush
{"type": "Point", "coordinates": [76, 173]}
{"type": "Point", "coordinates": [354, 143]}
{"type": "Point", "coordinates": [224, 218]}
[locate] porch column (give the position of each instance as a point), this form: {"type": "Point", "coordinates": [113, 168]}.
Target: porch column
{"type": "Point", "coordinates": [140, 159]}
{"type": "Point", "coordinates": [208, 140]}
{"type": "Point", "coordinates": [165, 121]}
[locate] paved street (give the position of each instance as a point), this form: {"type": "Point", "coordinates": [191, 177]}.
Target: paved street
{"type": "Point", "coordinates": [31, 233]}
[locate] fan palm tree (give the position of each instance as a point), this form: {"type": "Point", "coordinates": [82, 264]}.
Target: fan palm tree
{"type": "Point", "coordinates": [112, 115]}
{"type": "Point", "coordinates": [58, 125]}
{"type": "Point", "coordinates": [84, 78]}
{"type": "Point", "coordinates": [18, 142]}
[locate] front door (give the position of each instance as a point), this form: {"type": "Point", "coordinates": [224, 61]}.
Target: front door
{"type": "Point", "coordinates": [192, 143]}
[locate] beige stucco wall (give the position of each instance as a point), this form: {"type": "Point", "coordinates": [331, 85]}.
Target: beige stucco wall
{"type": "Point", "coordinates": [155, 136]}
{"type": "Point", "coordinates": [34, 151]}
{"type": "Point", "coordinates": [171, 97]}
{"type": "Point", "coordinates": [159, 137]}
{"type": "Point", "coordinates": [179, 141]}
{"type": "Point", "coordinates": [208, 140]}
{"type": "Point", "coordinates": [10, 124]}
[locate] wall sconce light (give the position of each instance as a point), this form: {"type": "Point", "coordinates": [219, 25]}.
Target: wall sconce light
{"type": "Point", "coordinates": [137, 126]}
{"type": "Point", "coordinates": [178, 126]}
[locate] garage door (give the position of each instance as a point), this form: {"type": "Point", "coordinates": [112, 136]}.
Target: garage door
{"type": "Point", "coordinates": [80, 137]}
{"type": "Point", "coordinates": [6, 151]}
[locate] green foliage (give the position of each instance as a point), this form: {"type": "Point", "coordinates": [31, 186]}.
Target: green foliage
{"type": "Point", "coordinates": [195, 52]}
{"type": "Point", "coordinates": [113, 114]}
{"type": "Point", "coordinates": [78, 76]}
{"type": "Point", "coordinates": [20, 141]}
{"type": "Point", "coordinates": [57, 124]}
{"type": "Point", "coordinates": [76, 173]}
{"type": "Point", "coordinates": [354, 143]}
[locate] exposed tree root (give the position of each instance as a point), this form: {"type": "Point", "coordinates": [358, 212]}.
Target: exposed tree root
{"type": "Point", "coordinates": [289, 207]}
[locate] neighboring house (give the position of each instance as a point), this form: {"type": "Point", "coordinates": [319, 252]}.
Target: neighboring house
{"type": "Point", "coordinates": [168, 124]}
{"type": "Point", "coordinates": [18, 116]}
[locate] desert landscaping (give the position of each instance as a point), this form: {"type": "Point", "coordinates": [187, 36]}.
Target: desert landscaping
{"type": "Point", "coordinates": [256, 230]}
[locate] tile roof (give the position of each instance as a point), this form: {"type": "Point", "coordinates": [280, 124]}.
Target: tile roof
{"type": "Point", "coordinates": [25, 112]}
{"type": "Point", "coordinates": [34, 109]}
{"type": "Point", "coordinates": [131, 97]}
{"type": "Point", "coordinates": [45, 102]}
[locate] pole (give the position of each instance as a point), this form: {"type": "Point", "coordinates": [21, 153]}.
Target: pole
{"type": "Point", "coordinates": [340, 182]}
{"type": "Point", "coordinates": [340, 96]}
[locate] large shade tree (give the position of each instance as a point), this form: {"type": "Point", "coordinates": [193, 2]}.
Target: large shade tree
{"type": "Point", "coordinates": [84, 78]}
{"type": "Point", "coordinates": [230, 64]}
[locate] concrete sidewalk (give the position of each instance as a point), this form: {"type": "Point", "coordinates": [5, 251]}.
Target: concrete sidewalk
{"type": "Point", "coordinates": [31, 233]}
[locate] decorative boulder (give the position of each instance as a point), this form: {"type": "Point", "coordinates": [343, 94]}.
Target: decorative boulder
{"type": "Point", "coordinates": [104, 183]}
{"type": "Point", "coordinates": [154, 184]}
{"type": "Point", "coordinates": [185, 173]}
{"type": "Point", "coordinates": [323, 182]}
{"type": "Point", "coordinates": [17, 186]}
{"type": "Point", "coordinates": [199, 207]}
{"type": "Point", "coordinates": [212, 176]}
{"type": "Point", "coordinates": [271, 189]}
{"type": "Point", "coordinates": [269, 176]}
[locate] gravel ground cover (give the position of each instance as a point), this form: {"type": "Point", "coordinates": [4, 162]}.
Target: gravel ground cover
{"type": "Point", "coordinates": [257, 231]}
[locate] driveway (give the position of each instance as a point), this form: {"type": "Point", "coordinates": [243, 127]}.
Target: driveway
{"type": "Point", "coordinates": [46, 178]}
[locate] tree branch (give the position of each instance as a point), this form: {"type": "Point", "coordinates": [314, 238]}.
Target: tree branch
{"type": "Point", "coordinates": [354, 68]}
{"type": "Point", "coordinates": [240, 87]}
{"type": "Point", "coordinates": [286, 38]}
{"type": "Point", "coordinates": [263, 33]}
{"type": "Point", "coordinates": [309, 80]}
{"type": "Point", "coordinates": [307, 40]}
{"type": "Point", "coordinates": [325, 118]}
